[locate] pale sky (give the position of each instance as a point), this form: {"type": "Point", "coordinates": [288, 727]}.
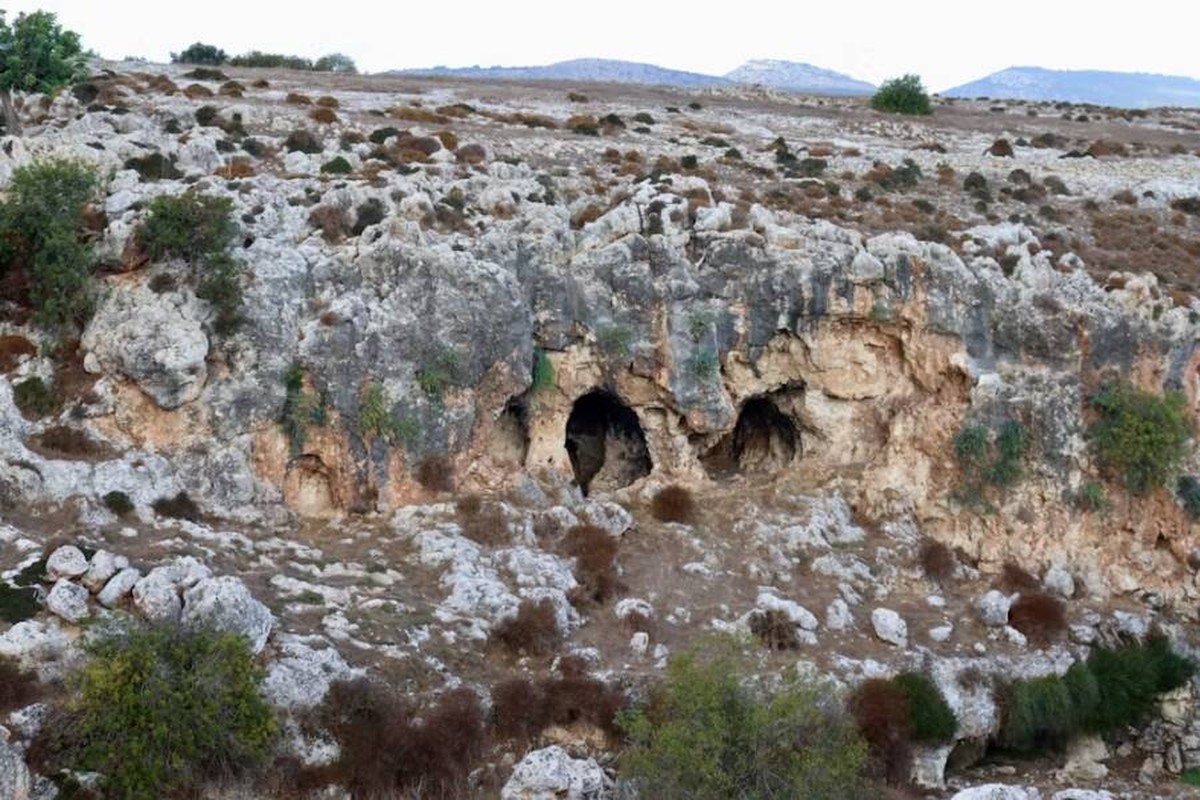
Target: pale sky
{"type": "Point", "coordinates": [947, 43]}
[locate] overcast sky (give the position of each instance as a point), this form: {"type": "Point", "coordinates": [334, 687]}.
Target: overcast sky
{"type": "Point", "coordinates": [947, 43]}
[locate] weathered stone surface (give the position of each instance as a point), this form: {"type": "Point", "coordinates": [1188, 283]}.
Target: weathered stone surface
{"type": "Point", "coordinates": [67, 561]}
{"type": "Point", "coordinates": [68, 600]}
{"type": "Point", "coordinates": [993, 608]}
{"type": "Point", "coordinates": [300, 676]}
{"type": "Point", "coordinates": [890, 627]}
{"type": "Point", "coordinates": [998, 791]}
{"type": "Point", "coordinates": [225, 604]}
{"type": "Point", "coordinates": [551, 774]}
{"type": "Point", "coordinates": [119, 587]}
{"type": "Point", "coordinates": [16, 783]}
{"type": "Point", "coordinates": [101, 568]}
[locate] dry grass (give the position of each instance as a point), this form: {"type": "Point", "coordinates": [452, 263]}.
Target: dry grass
{"type": "Point", "coordinates": [674, 503]}
{"type": "Point", "coordinates": [332, 221]}
{"type": "Point", "coordinates": [327, 101]}
{"type": "Point", "coordinates": [436, 473]}
{"type": "Point", "coordinates": [774, 630]}
{"type": "Point", "coordinates": [181, 506]}
{"type": "Point", "coordinates": [415, 114]}
{"type": "Point", "coordinates": [238, 167]}
{"type": "Point", "coordinates": [13, 349]}
{"type": "Point", "coordinates": [323, 115]}
{"type": "Point", "coordinates": [532, 632]}
{"type": "Point", "coordinates": [523, 708]}
{"type": "Point", "coordinates": [880, 709]}
{"type": "Point", "coordinates": [18, 687]}
{"type": "Point", "coordinates": [937, 561]}
{"type": "Point", "coordinates": [1039, 616]}
{"type": "Point", "coordinates": [595, 554]}
{"type": "Point", "coordinates": [297, 99]}
{"type": "Point", "coordinates": [1015, 578]}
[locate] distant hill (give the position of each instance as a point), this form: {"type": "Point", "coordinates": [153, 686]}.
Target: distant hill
{"type": "Point", "coordinates": [793, 76]}
{"type": "Point", "coordinates": [580, 69]}
{"type": "Point", "coordinates": [1121, 89]}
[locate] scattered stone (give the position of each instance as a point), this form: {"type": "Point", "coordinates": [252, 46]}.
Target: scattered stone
{"type": "Point", "coordinates": [68, 600]}
{"type": "Point", "coordinates": [798, 614]}
{"type": "Point", "coordinates": [941, 633]}
{"type": "Point", "coordinates": [118, 587]}
{"type": "Point", "coordinates": [631, 606]}
{"type": "Point", "coordinates": [16, 783]}
{"type": "Point", "coordinates": [890, 627]}
{"type": "Point", "coordinates": [993, 608]}
{"type": "Point", "coordinates": [1058, 581]}
{"type": "Point", "coordinates": [101, 568]}
{"type": "Point", "coordinates": [639, 643]}
{"type": "Point", "coordinates": [67, 561]}
{"type": "Point", "coordinates": [300, 676]}
{"type": "Point", "coordinates": [838, 616]}
{"type": "Point", "coordinates": [551, 774]}
{"type": "Point", "coordinates": [997, 791]}
{"type": "Point", "coordinates": [929, 766]}
{"type": "Point", "coordinates": [226, 604]}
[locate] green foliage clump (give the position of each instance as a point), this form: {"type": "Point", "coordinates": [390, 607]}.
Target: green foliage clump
{"type": "Point", "coordinates": [986, 463]}
{"type": "Point", "coordinates": [614, 340]}
{"type": "Point", "coordinates": [377, 420]}
{"type": "Point", "coordinates": [704, 364]}
{"type": "Point", "coordinates": [200, 53]}
{"type": "Point", "coordinates": [41, 227]}
{"type": "Point", "coordinates": [118, 503]}
{"type": "Point", "coordinates": [1116, 687]}
{"type": "Point", "coordinates": [706, 736]}
{"type": "Point", "coordinates": [1092, 498]}
{"type": "Point", "coordinates": [933, 720]}
{"type": "Point", "coordinates": [1140, 437]}
{"type": "Point", "coordinates": [36, 55]}
{"type": "Point", "coordinates": [257, 58]}
{"type": "Point", "coordinates": [436, 376]}
{"type": "Point", "coordinates": [300, 409]}
{"type": "Point", "coordinates": [159, 710]}
{"type": "Point", "coordinates": [337, 166]}
{"type": "Point", "coordinates": [543, 372]}
{"type": "Point", "coordinates": [34, 398]}
{"type": "Point", "coordinates": [1191, 777]}
{"type": "Point", "coordinates": [199, 229]}
{"type": "Point", "coordinates": [17, 603]}
{"type": "Point", "coordinates": [335, 62]}
{"type": "Point", "coordinates": [1188, 492]}
{"type": "Point", "coordinates": [903, 95]}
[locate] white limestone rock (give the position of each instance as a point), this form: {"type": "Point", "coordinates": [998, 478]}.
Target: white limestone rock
{"type": "Point", "coordinates": [67, 561]}
{"type": "Point", "coordinates": [551, 774]}
{"type": "Point", "coordinates": [226, 604]}
{"type": "Point", "coordinates": [68, 600]}
{"type": "Point", "coordinates": [890, 627]}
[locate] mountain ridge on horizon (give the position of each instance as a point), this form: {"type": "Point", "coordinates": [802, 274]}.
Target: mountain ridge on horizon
{"type": "Point", "coordinates": [1102, 87]}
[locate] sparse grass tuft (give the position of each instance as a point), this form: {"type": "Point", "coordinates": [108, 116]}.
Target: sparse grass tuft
{"type": "Point", "coordinates": [533, 631]}
{"type": "Point", "coordinates": [674, 503]}
{"type": "Point", "coordinates": [1039, 616]}
{"type": "Point", "coordinates": [595, 555]}
{"type": "Point", "coordinates": [937, 561]}
{"type": "Point", "coordinates": [1140, 437]}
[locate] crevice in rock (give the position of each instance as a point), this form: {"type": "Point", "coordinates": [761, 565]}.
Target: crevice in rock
{"type": "Point", "coordinates": [605, 442]}
{"type": "Point", "coordinates": [509, 442]}
{"type": "Point", "coordinates": [308, 489]}
{"type": "Point", "coordinates": [765, 438]}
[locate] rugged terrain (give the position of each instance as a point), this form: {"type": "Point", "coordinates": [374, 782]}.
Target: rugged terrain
{"type": "Point", "coordinates": [529, 306]}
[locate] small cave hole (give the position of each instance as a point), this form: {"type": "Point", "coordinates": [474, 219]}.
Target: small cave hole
{"type": "Point", "coordinates": [509, 442]}
{"type": "Point", "coordinates": [764, 439]}
{"type": "Point", "coordinates": [605, 442]}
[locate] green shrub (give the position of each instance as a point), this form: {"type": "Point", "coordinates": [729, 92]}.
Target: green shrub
{"type": "Point", "coordinates": [200, 53]}
{"type": "Point", "coordinates": [377, 420]}
{"type": "Point", "coordinates": [986, 463]}
{"type": "Point", "coordinates": [159, 710]}
{"type": "Point", "coordinates": [36, 56]}
{"type": "Point", "coordinates": [191, 226]}
{"type": "Point", "coordinates": [438, 375]}
{"type": "Point", "coordinates": [257, 58]}
{"type": "Point", "coordinates": [34, 398]}
{"type": "Point", "coordinates": [1037, 714]}
{"type": "Point", "coordinates": [199, 229]}
{"type": "Point", "coordinates": [1140, 437]}
{"type": "Point", "coordinates": [706, 736]}
{"type": "Point", "coordinates": [42, 226]}
{"type": "Point", "coordinates": [1092, 498]}
{"type": "Point", "coordinates": [903, 95]}
{"type": "Point", "coordinates": [614, 340]}
{"type": "Point", "coordinates": [118, 503]}
{"type": "Point", "coordinates": [1188, 492]}
{"type": "Point", "coordinates": [933, 720]}
{"type": "Point", "coordinates": [335, 62]}
{"type": "Point", "coordinates": [1191, 777]}
{"type": "Point", "coordinates": [337, 166]}
{"type": "Point", "coordinates": [300, 409]}
{"type": "Point", "coordinates": [543, 372]}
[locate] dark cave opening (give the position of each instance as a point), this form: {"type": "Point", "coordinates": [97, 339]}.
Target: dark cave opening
{"type": "Point", "coordinates": [509, 442]}
{"type": "Point", "coordinates": [764, 439]}
{"type": "Point", "coordinates": [605, 442]}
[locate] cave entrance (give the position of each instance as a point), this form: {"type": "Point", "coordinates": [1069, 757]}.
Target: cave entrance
{"type": "Point", "coordinates": [765, 439]}
{"type": "Point", "coordinates": [509, 443]}
{"type": "Point", "coordinates": [605, 442]}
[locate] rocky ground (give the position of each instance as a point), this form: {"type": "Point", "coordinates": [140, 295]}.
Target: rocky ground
{"type": "Point", "coordinates": [788, 305]}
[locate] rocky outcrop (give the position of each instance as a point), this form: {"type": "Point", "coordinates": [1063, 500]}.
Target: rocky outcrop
{"type": "Point", "coordinates": [552, 774]}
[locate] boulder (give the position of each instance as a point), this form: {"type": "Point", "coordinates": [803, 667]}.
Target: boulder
{"type": "Point", "coordinates": [15, 781]}
{"type": "Point", "coordinates": [993, 608]}
{"type": "Point", "coordinates": [300, 677]}
{"type": "Point", "coordinates": [929, 766]}
{"type": "Point", "coordinates": [838, 616]}
{"type": "Point", "coordinates": [551, 774]}
{"type": "Point", "coordinates": [118, 587]}
{"type": "Point", "coordinates": [226, 604]}
{"type": "Point", "coordinates": [1085, 760]}
{"type": "Point", "coordinates": [890, 627]}
{"type": "Point", "coordinates": [68, 600]}
{"type": "Point", "coordinates": [67, 561]}
{"type": "Point", "coordinates": [101, 568]}
{"type": "Point", "coordinates": [1058, 581]}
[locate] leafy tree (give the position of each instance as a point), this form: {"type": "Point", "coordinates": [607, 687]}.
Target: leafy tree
{"type": "Point", "coordinates": [706, 736]}
{"type": "Point", "coordinates": [903, 95]}
{"type": "Point", "coordinates": [200, 53]}
{"type": "Point", "coordinates": [336, 62]}
{"type": "Point", "coordinates": [36, 55]}
{"type": "Point", "coordinates": [41, 227]}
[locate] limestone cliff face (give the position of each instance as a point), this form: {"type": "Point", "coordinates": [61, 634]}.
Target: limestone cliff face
{"type": "Point", "coordinates": [781, 347]}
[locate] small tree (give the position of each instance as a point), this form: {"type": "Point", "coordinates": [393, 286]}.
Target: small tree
{"type": "Point", "coordinates": [336, 62]}
{"type": "Point", "coordinates": [200, 53]}
{"type": "Point", "coordinates": [1140, 437]}
{"type": "Point", "coordinates": [36, 55]}
{"type": "Point", "coordinates": [904, 95]}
